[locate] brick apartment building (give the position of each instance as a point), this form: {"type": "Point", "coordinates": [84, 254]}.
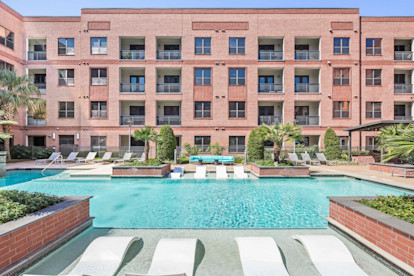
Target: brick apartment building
{"type": "Point", "coordinates": [212, 74]}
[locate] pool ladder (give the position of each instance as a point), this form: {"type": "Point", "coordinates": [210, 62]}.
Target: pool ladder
{"type": "Point", "coordinates": [59, 158]}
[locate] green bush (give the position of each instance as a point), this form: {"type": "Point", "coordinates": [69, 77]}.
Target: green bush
{"type": "Point", "coordinates": [286, 163]}
{"type": "Point", "coordinates": [239, 159]}
{"type": "Point", "coordinates": [23, 152]}
{"type": "Point", "coordinates": [360, 152]}
{"type": "Point", "coordinates": [265, 163]}
{"type": "Point", "coordinates": [332, 145]}
{"type": "Point", "coordinates": [183, 160]}
{"type": "Point", "coordinates": [43, 153]}
{"type": "Point", "coordinates": [255, 144]}
{"type": "Point", "coordinates": [16, 204]}
{"type": "Point", "coordinates": [216, 149]}
{"type": "Point", "coordinates": [166, 143]}
{"type": "Point", "coordinates": [150, 163]}
{"type": "Point", "coordinates": [189, 150]}
{"type": "Point", "coordinates": [401, 207]}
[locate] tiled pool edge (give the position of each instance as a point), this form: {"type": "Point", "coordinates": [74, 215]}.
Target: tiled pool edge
{"type": "Point", "coordinates": [27, 240]}
{"type": "Point", "coordinates": [389, 237]}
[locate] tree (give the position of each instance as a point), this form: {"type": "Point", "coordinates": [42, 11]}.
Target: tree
{"type": "Point", "coordinates": [398, 141]}
{"type": "Point", "coordinates": [166, 143]}
{"type": "Point", "coordinates": [282, 132]}
{"type": "Point", "coordinates": [17, 92]}
{"type": "Point", "coordinates": [256, 143]}
{"type": "Point", "coordinates": [147, 134]}
{"type": "Point", "coordinates": [332, 145]}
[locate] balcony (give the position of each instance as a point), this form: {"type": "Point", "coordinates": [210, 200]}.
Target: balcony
{"type": "Point", "coordinates": [403, 49]}
{"type": "Point", "coordinates": [38, 77]}
{"type": "Point", "coordinates": [403, 56]}
{"type": "Point", "coordinates": [270, 88]}
{"type": "Point", "coordinates": [403, 88]}
{"type": "Point", "coordinates": [270, 49]}
{"type": "Point", "coordinates": [132, 48]}
{"type": "Point", "coordinates": [307, 113]}
{"type": "Point", "coordinates": [36, 49]}
{"type": "Point", "coordinates": [132, 113]}
{"type": "Point", "coordinates": [168, 80]}
{"type": "Point", "coordinates": [169, 48]}
{"type": "Point", "coordinates": [270, 80]}
{"type": "Point", "coordinates": [403, 80]}
{"type": "Point", "coordinates": [32, 121]}
{"type": "Point", "coordinates": [169, 113]}
{"type": "Point", "coordinates": [172, 120]}
{"type": "Point", "coordinates": [307, 49]}
{"type": "Point", "coordinates": [306, 87]}
{"type": "Point", "coordinates": [307, 80]}
{"type": "Point", "coordinates": [403, 111]}
{"type": "Point", "coordinates": [134, 120]}
{"type": "Point", "coordinates": [270, 112]}
{"type": "Point", "coordinates": [371, 147]}
{"type": "Point", "coordinates": [403, 118]}
{"type": "Point", "coordinates": [269, 120]}
{"type": "Point", "coordinates": [168, 87]}
{"type": "Point", "coordinates": [303, 120]}
{"type": "Point", "coordinates": [132, 80]}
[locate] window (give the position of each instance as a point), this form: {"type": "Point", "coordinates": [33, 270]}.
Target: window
{"type": "Point", "coordinates": [343, 141]}
{"type": "Point", "coordinates": [202, 45]}
{"type": "Point", "coordinates": [202, 76]}
{"type": "Point", "coordinates": [341, 45]}
{"type": "Point", "coordinates": [66, 77]}
{"type": "Point", "coordinates": [370, 143]}
{"type": "Point", "coordinates": [237, 76]}
{"type": "Point", "coordinates": [373, 46]}
{"type": "Point", "coordinates": [66, 46]}
{"type": "Point", "coordinates": [237, 143]}
{"type": "Point", "coordinates": [373, 110]}
{"type": "Point", "coordinates": [98, 46]}
{"type": "Point", "coordinates": [98, 109]}
{"type": "Point", "coordinates": [136, 84]}
{"type": "Point", "coordinates": [399, 111]}
{"type": "Point", "coordinates": [202, 142]}
{"type": "Point", "coordinates": [237, 109]}
{"type": "Point", "coordinates": [66, 140]}
{"type": "Point", "coordinates": [6, 65]}
{"type": "Point", "coordinates": [341, 109]}
{"type": "Point", "coordinates": [98, 143]}
{"type": "Point", "coordinates": [202, 109]}
{"type": "Point", "coordinates": [6, 37]}
{"type": "Point", "coordinates": [66, 110]}
{"type": "Point", "coordinates": [373, 77]}
{"type": "Point", "coordinates": [341, 76]}
{"type": "Point", "coordinates": [98, 76]}
{"type": "Point", "coordinates": [236, 45]}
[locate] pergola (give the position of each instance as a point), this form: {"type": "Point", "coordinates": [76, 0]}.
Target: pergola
{"type": "Point", "coordinates": [373, 126]}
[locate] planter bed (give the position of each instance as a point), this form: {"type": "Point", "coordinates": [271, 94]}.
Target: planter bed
{"type": "Point", "coordinates": [26, 240]}
{"type": "Point", "coordinates": [141, 171]}
{"type": "Point", "coordinates": [283, 171]}
{"type": "Point", "coordinates": [389, 236]}
{"type": "Point", "coordinates": [388, 167]}
{"type": "Point", "coordinates": [363, 159]}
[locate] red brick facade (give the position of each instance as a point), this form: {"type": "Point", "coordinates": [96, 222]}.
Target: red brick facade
{"type": "Point", "coordinates": [279, 171]}
{"type": "Point", "coordinates": [20, 243]}
{"type": "Point", "coordinates": [398, 244]}
{"type": "Point", "coordinates": [142, 171]}
{"type": "Point", "coordinates": [388, 168]}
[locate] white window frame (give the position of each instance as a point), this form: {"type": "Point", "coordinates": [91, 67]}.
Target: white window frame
{"type": "Point", "coordinates": [371, 110]}
{"type": "Point", "coordinates": [68, 81]}
{"type": "Point", "coordinates": [341, 47]}
{"type": "Point", "coordinates": [66, 110]}
{"type": "Point", "coordinates": [203, 111]}
{"type": "Point", "coordinates": [202, 78]}
{"type": "Point", "coordinates": [237, 78]}
{"type": "Point", "coordinates": [372, 81]}
{"type": "Point", "coordinates": [237, 112]}
{"type": "Point", "coordinates": [237, 47]}
{"type": "Point", "coordinates": [99, 50]}
{"type": "Point", "coordinates": [202, 47]}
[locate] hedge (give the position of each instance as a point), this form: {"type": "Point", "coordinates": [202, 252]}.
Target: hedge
{"type": "Point", "coordinates": [332, 145]}
{"type": "Point", "coordinates": [23, 152]}
{"type": "Point", "coordinates": [255, 144]}
{"type": "Point", "coordinates": [166, 143]}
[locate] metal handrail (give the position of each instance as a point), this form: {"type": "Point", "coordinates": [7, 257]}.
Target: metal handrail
{"type": "Point", "coordinates": [136, 120]}
{"type": "Point", "coordinates": [403, 118]}
{"type": "Point", "coordinates": [58, 158]}
{"type": "Point", "coordinates": [99, 50]}
{"type": "Point", "coordinates": [169, 120]}
{"type": "Point", "coordinates": [307, 88]}
{"type": "Point", "coordinates": [304, 120]}
{"type": "Point", "coordinates": [269, 119]}
{"type": "Point", "coordinates": [403, 56]}
{"type": "Point", "coordinates": [270, 55]}
{"type": "Point", "coordinates": [133, 54]}
{"type": "Point", "coordinates": [31, 121]}
{"type": "Point", "coordinates": [169, 55]}
{"type": "Point", "coordinates": [341, 81]}
{"type": "Point", "coordinates": [66, 81]}
{"type": "Point", "coordinates": [36, 55]}
{"type": "Point", "coordinates": [169, 87]}
{"type": "Point", "coordinates": [99, 81]}
{"type": "Point", "coordinates": [270, 88]}
{"type": "Point", "coordinates": [306, 55]}
{"type": "Point", "coordinates": [98, 113]}
{"type": "Point", "coordinates": [403, 88]}
{"type": "Point", "coordinates": [133, 87]}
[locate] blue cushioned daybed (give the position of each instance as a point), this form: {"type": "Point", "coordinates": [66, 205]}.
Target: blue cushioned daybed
{"type": "Point", "coordinates": [210, 158]}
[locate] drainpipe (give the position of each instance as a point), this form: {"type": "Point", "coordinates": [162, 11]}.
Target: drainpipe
{"type": "Point", "coordinates": [360, 81]}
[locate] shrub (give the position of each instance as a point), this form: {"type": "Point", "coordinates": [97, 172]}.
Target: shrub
{"type": "Point", "coordinates": [239, 159]}
{"type": "Point", "coordinates": [332, 145]}
{"type": "Point", "coordinates": [183, 160]}
{"type": "Point", "coordinates": [216, 149]}
{"type": "Point", "coordinates": [189, 150]}
{"type": "Point", "coordinates": [21, 152]}
{"type": "Point", "coordinates": [255, 144]}
{"type": "Point", "coordinates": [286, 163]}
{"type": "Point", "coordinates": [166, 143]}
{"type": "Point", "coordinates": [43, 153]}
{"type": "Point", "coordinates": [401, 207]}
{"type": "Point", "coordinates": [16, 204]}
{"type": "Point", "coordinates": [360, 152]}
{"type": "Point", "coordinates": [265, 163]}
{"type": "Point", "coordinates": [150, 163]}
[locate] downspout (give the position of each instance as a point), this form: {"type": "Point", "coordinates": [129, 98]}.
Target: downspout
{"type": "Point", "coordinates": [360, 82]}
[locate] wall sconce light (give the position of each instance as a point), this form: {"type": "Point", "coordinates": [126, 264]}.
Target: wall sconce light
{"type": "Point", "coordinates": [329, 97]}
{"type": "Point", "coordinates": [331, 31]}
{"type": "Point", "coordinates": [223, 31]}
{"type": "Point", "coordinates": [77, 136]}
{"type": "Point", "coordinates": [329, 63]}
{"type": "Point", "coordinates": [53, 136]}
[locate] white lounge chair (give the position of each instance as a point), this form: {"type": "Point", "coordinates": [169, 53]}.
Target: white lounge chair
{"type": "Point", "coordinates": [105, 158]}
{"type": "Point", "coordinates": [177, 172]}
{"type": "Point", "coordinates": [89, 158]}
{"type": "Point", "coordinates": [102, 257]}
{"type": "Point", "coordinates": [221, 172]}
{"type": "Point", "coordinates": [306, 157]}
{"type": "Point", "coordinates": [127, 157]}
{"type": "Point", "coordinates": [330, 255]}
{"type": "Point", "coordinates": [293, 157]}
{"type": "Point", "coordinates": [172, 257]}
{"type": "Point", "coordinates": [239, 173]}
{"type": "Point", "coordinates": [141, 158]}
{"type": "Point", "coordinates": [322, 159]}
{"type": "Point", "coordinates": [52, 157]}
{"type": "Point", "coordinates": [71, 157]}
{"type": "Point", "coordinates": [200, 172]}
{"type": "Point", "coordinates": [260, 256]}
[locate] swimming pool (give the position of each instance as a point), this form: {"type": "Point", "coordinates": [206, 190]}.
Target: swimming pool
{"type": "Point", "coordinates": [187, 203]}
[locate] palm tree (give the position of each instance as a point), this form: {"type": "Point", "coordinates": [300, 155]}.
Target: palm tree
{"type": "Point", "coordinates": [146, 134]}
{"type": "Point", "coordinates": [398, 141]}
{"type": "Point", "coordinates": [2, 134]}
{"type": "Point", "coordinates": [17, 92]}
{"type": "Point", "coordinates": [279, 133]}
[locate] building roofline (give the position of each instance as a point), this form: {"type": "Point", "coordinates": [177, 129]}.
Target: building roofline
{"type": "Point", "coordinates": [51, 19]}
{"type": "Point", "coordinates": [387, 18]}
{"type": "Point", "coordinates": [11, 11]}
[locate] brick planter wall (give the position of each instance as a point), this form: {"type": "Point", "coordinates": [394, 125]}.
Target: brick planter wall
{"type": "Point", "coordinates": [363, 159]}
{"type": "Point", "coordinates": [387, 168]}
{"type": "Point", "coordinates": [23, 237]}
{"type": "Point", "coordinates": [260, 171]}
{"type": "Point", "coordinates": [388, 233]}
{"type": "Point", "coordinates": [144, 171]}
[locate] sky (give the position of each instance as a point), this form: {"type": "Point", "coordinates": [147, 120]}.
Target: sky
{"type": "Point", "coordinates": [73, 7]}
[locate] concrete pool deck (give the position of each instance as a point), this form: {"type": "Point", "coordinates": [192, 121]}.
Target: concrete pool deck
{"type": "Point", "coordinates": [217, 252]}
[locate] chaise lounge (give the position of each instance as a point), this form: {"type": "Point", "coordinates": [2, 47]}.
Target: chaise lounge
{"type": "Point", "coordinates": [223, 159]}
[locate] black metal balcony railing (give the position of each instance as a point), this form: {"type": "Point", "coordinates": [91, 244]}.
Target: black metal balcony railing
{"type": "Point", "coordinates": [270, 55]}
{"type": "Point", "coordinates": [403, 56]}
{"type": "Point", "coordinates": [306, 55]}
{"type": "Point", "coordinates": [31, 121]}
{"type": "Point", "coordinates": [168, 87]}
{"type": "Point", "coordinates": [36, 55]}
{"type": "Point", "coordinates": [132, 87]}
{"type": "Point", "coordinates": [341, 81]}
{"type": "Point", "coordinates": [270, 88]}
{"type": "Point", "coordinates": [172, 120]}
{"type": "Point", "coordinates": [169, 55]}
{"type": "Point", "coordinates": [269, 120]}
{"type": "Point", "coordinates": [303, 120]}
{"type": "Point", "coordinates": [133, 54]}
{"type": "Point", "coordinates": [403, 88]}
{"type": "Point", "coordinates": [135, 120]}
{"type": "Point", "coordinates": [307, 87]}
{"type": "Point", "coordinates": [403, 118]}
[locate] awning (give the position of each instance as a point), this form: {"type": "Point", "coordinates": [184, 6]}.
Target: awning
{"type": "Point", "coordinates": [374, 126]}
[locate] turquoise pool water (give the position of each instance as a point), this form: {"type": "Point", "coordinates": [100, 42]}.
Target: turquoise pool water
{"type": "Point", "coordinates": [165, 203]}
